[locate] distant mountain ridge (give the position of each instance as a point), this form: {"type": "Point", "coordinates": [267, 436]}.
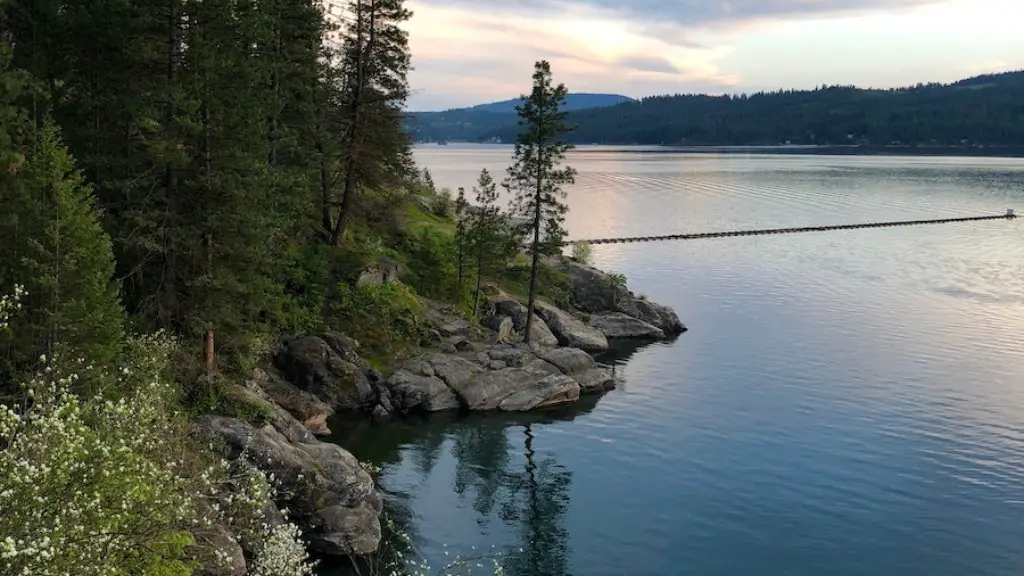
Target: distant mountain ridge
{"type": "Point", "coordinates": [469, 123]}
{"type": "Point", "coordinates": [982, 111]}
{"type": "Point", "coordinates": [574, 101]}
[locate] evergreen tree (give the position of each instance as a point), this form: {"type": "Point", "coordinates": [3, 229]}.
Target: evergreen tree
{"type": "Point", "coordinates": [485, 229]}
{"type": "Point", "coordinates": [461, 219]}
{"type": "Point", "coordinates": [428, 180]}
{"type": "Point", "coordinates": [52, 243]}
{"type": "Point", "coordinates": [536, 176]}
{"type": "Point", "coordinates": [376, 61]}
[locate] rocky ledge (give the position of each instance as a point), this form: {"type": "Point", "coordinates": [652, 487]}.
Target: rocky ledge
{"type": "Point", "coordinates": [474, 367]}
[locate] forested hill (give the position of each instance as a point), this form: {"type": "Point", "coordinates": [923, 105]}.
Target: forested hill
{"type": "Point", "coordinates": [985, 110]}
{"type": "Point", "coordinates": [470, 123]}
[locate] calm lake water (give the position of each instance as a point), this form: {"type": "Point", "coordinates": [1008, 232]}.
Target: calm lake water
{"type": "Point", "coordinates": [845, 403]}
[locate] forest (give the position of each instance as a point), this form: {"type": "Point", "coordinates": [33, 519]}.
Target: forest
{"type": "Point", "coordinates": [982, 111]}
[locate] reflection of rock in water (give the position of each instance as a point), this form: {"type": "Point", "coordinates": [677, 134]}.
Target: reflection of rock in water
{"type": "Point", "coordinates": [620, 351]}
{"type": "Point", "coordinates": [527, 493]}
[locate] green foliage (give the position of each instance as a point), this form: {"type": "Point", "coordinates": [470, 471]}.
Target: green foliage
{"type": "Point", "coordinates": [383, 317]}
{"type": "Point", "coordinates": [51, 242]}
{"type": "Point", "coordinates": [582, 252]}
{"type": "Point", "coordinates": [428, 180]}
{"type": "Point", "coordinates": [431, 260]}
{"type": "Point", "coordinates": [617, 279]}
{"type": "Point", "coordinates": [87, 486]}
{"type": "Point", "coordinates": [487, 232]}
{"type": "Point", "coordinates": [442, 205]}
{"type": "Point", "coordinates": [552, 284]}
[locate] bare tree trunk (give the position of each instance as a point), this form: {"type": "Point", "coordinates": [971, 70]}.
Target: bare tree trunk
{"type": "Point", "coordinates": [538, 210]}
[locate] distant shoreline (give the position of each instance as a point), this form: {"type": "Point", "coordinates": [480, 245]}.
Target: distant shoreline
{"type": "Point", "coordinates": [794, 149]}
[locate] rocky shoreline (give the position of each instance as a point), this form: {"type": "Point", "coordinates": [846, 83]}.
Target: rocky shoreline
{"type": "Point", "coordinates": [469, 366]}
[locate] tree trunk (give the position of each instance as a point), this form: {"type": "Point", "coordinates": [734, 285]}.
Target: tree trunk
{"type": "Point", "coordinates": [353, 133]}
{"type": "Point", "coordinates": [168, 303]}
{"type": "Point", "coordinates": [458, 283]}
{"type": "Point", "coordinates": [479, 271]}
{"type": "Point", "coordinates": [538, 210]}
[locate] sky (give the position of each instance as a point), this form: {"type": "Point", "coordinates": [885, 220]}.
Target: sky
{"type": "Point", "coordinates": [468, 52]}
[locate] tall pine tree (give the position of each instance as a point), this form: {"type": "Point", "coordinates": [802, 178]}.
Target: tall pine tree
{"type": "Point", "coordinates": [51, 242]}
{"type": "Point", "coordinates": [375, 60]}
{"type": "Point", "coordinates": [536, 176]}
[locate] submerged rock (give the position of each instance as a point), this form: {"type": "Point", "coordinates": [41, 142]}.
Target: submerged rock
{"type": "Point", "coordinates": [325, 489]}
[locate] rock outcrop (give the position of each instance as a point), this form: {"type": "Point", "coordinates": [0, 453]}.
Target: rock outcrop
{"type": "Point", "coordinates": [318, 365]}
{"type": "Point", "coordinates": [501, 377]}
{"type": "Point", "coordinates": [619, 325]}
{"type": "Point", "coordinates": [540, 334]}
{"type": "Point", "coordinates": [596, 292]}
{"type": "Point", "coordinates": [570, 331]}
{"type": "Point", "coordinates": [325, 489]}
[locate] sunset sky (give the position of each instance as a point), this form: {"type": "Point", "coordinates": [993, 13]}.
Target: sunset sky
{"type": "Point", "coordinates": [471, 51]}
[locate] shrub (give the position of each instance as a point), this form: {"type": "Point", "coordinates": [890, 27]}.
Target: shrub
{"type": "Point", "coordinates": [617, 280]}
{"type": "Point", "coordinates": [582, 252]}
{"type": "Point", "coordinates": [102, 486]}
{"type": "Point", "coordinates": [93, 486]}
{"type": "Point", "coordinates": [381, 316]}
{"type": "Point", "coordinates": [442, 204]}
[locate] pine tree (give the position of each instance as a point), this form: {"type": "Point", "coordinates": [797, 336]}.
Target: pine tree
{"type": "Point", "coordinates": [53, 245]}
{"type": "Point", "coordinates": [536, 177]}
{"type": "Point", "coordinates": [376, 62]}
{"type": "Point", "coordinates": [461, 218]}
{"type": "Point", "coordinates": [485, 229]}
{"type": "Point", "coordinates": [428, 180]}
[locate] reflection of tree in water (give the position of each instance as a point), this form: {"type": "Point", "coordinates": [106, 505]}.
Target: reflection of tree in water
{"type": "Point", "coordinates": [539, 501]}
{"type": "Point", "coordinates": [481, 456]}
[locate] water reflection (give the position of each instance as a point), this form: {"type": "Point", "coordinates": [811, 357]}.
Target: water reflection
{"type": "Point", "coordinates": [518, 494]}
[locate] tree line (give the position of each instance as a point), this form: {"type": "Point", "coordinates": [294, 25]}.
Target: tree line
{"type": "Point", "coordinates": [985, 111]}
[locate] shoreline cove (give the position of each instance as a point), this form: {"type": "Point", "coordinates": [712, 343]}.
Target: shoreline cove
{"type": "Point", "coordinates": [471, 367]}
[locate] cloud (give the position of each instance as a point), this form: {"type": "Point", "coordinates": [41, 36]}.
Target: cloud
{"type": "Point", "coordinates": [693, 13]}
{"type": "Point", "coordinates": [471, 51]}
{"type": "Point", "coordinates": [463, 57]}
{"type": "Point", "coordinates": [649, 64]}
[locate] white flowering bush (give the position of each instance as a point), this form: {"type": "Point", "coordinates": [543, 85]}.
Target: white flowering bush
{"type": "Point", "coordinates": [92, 487]}
{"type": "Point", "coordinates": [108, 485]}
{"type": "Point", "coordinates": [8, 304]}
{"type": "Point", "coordinates": [273, 549]}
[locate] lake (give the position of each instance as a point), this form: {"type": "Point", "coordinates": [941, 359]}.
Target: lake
{"type": "Point", "coordinates": [845, 403]}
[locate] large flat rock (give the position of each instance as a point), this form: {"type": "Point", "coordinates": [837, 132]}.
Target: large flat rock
{"type": "Point", "coordinates": [619, 325]}
{"type": "Point", "coordinates": [570, 331]}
